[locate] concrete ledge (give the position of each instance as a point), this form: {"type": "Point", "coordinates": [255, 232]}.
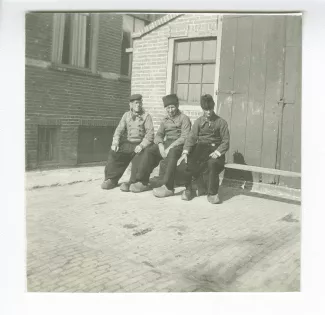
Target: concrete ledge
{"type": "Point", "coordinates": [257, 169]}
{"type": "Point", "coordinates": [262, 188]}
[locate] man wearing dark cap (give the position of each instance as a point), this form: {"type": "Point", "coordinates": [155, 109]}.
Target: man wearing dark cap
{"type": "Point", "coordinates": [134, 133]}
{"type": "Point", "coordinates": [168, 144]}
{"type": "Point", "coordinates": [205, 147]}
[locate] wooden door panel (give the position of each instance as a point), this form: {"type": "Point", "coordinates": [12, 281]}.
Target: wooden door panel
{"type": "Point", "coordinates": [241, 84]}
{"type": "Point", "coordinates": [85, 145]}
{"type": "Point", "coordinates": [94, 144]}
{"type": "Point", "coordinates": [273, 93]}
{"type": "Point", "coordinates": [260, 66]}
{"type": "Point", "coordinates": [226, 73]}
{"type": "Point", "coordinates": [256, 97]}
{"type": "Point", "coordinates": [102, 143]}
{"type": "Point", "coordinates": [290, 154]}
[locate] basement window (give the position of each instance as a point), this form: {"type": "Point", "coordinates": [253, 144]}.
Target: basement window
{"type": "Point", "coordinates": [48, 143]}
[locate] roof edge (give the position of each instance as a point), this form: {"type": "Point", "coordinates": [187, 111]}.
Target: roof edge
{"type": "Point", "coordinates": [155, 24]}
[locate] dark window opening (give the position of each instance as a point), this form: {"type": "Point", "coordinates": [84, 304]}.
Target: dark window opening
{"type": "Point", "coordinates": [88, 42]}
{"type": "Point", "coordinates": [67, 39]}
{"type": "Point", "coordinates": [125, 58]}
{"type": "Point", "coordinates": [47, 144]}
{"type": "Point", "coordinates": [77, 40]}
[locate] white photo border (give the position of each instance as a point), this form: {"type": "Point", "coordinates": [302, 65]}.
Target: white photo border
{"type": "Point", "coordinates": [12, 222]}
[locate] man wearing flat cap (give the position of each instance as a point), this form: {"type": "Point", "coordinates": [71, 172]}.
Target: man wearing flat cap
{"type": "Point", "coordinates": [168, 145]}
{"type": "Point", "coordinates": [205, 148]}
{"type": "Point", "coordinates": [133, 134]}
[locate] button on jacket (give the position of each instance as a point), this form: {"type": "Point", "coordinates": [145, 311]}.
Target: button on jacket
{"type": "Point", "coordinates": [174, 128]}
{"type": "Point", "coordinates": [136, 128]}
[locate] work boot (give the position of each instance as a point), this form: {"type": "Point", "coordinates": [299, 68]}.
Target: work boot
{"type": "Point", "coordinates": [155, 182]}
{"type": "Point", "coordinates": [125, 187]}
{"type": "Point", "coordinates": [187, 194]}
{"type": "Point", "coordinates": [213, 199]}
{"type": "Point", "coordinates": [108, 184]}
{"type": "Point", "coordinates": [162, 192]}
{"type": "Point", "coordinates": [139, 187]}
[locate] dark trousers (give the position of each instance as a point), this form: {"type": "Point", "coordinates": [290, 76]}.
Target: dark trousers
{"type": "Point", "coordinates": [151, 158]}
{"type": "Point", "coordinates": [117, 162]}
{"type": "Point", "coordinates": [198, 162]}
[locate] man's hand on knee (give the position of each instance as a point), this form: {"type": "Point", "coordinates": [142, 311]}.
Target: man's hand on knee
{"type": "Point", "coordinates": [182, 158]}
{"type": "Point", "coordinates": [138, 148]}
{"type": "Point", "coordinates": [167, 151]}
{"type": "Point", "coordinates": [215, 154]}
{"type": "Point", "coordinates": [162, 150]}
{"type": "Point", "coordinates": [114, 148]}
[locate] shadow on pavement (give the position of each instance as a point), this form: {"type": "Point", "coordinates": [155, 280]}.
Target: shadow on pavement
{"type": "Point", "coordinates": [225, 276]}
{"type": "Point", "coordinates": [226, 193]}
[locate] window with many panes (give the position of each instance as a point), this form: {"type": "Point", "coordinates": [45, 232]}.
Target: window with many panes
{"type": "Point", "coordinates": [47, 144]}
{"type": "Point", "coordinates": [130, 24]}
{"type": "Point", "coordinates": [72, 39]}
{"type": "Point", "coordinates": [194, 69]}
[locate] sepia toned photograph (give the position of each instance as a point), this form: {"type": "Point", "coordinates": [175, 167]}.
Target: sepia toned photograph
{"type": "Point", "coordinates": [163, 152]}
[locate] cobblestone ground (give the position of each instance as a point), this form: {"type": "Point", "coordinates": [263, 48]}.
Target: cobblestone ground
{"type": "Point", "coordinates": [83, 239]}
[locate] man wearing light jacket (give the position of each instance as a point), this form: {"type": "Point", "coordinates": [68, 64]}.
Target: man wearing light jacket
{"type": "Point", "coordinates": [168, 145]}
{"type": "Point", "coordinates": [205, 147]}
{"type": "Point", "coordinates": [133, 134]}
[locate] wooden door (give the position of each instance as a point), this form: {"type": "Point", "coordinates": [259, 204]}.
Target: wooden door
{"type": "Point", "coordinates": [94, 143]}
{"type": "Point", "coordinates": [290, 146]}
{"type": "Point", "coordinates": [259, 68]}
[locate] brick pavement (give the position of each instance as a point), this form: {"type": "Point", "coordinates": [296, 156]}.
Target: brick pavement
{"type": "Point", "coordinates": [83, 239]}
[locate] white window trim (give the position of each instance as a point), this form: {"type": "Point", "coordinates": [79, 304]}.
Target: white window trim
{"type": "Point", "coordinates": [170, 64]}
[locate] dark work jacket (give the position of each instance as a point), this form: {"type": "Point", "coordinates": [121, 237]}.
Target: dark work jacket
{"type": "Point", "coordinates": [214, 131]}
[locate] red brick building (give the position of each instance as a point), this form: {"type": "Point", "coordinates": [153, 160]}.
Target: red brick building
{"type": "Point", "coordinates": [77, 84]}
{"type": "Point", "coordinates": [251, 64]}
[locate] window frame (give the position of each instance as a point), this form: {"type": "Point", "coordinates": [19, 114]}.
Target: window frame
{"type": "Point", "coordinates": [59, 20]}
{"type": "Point", "coordinates": [170, 66]}
{"type": "Point", "coordinates": [124, 51]}
{"type": "Point", "coordinates": [190, 63]}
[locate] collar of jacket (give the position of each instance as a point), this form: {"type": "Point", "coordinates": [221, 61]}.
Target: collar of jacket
{"type": "Point", "coordinates": [176, 115]}
{"type": "Point", "coordinates": [139, 115]}
{"type": "Point", "coordinates": [205, 120]}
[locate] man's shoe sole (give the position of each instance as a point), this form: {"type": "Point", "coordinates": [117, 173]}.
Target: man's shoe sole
{"type": "Point", "coordinates": [214, 202]}
{"type": "Point", "coordinates": [162, 196]}
{"type": "Point", "coordinates": [105, 187]}
{"type": "Point", "coordinates": [126, 189]}
{"type": "Point", "coordinates": [138, 191]}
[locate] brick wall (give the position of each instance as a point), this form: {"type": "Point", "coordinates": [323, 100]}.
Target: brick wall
{"type": "Point", "coordinates": [109, 43]}
{"type": "Point", "coordinates": [150, 57]}
{"type": "Point", "coordinates": [39, 35]}
{"type": "Point", "coordinates": [69, 98]}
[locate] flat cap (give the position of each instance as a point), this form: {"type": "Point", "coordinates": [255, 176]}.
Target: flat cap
{"type": "Point", "coordinates": [135, 97]}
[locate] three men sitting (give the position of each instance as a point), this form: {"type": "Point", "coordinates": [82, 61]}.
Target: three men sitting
{"type": "Point", "coordinates": [195, 150]}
